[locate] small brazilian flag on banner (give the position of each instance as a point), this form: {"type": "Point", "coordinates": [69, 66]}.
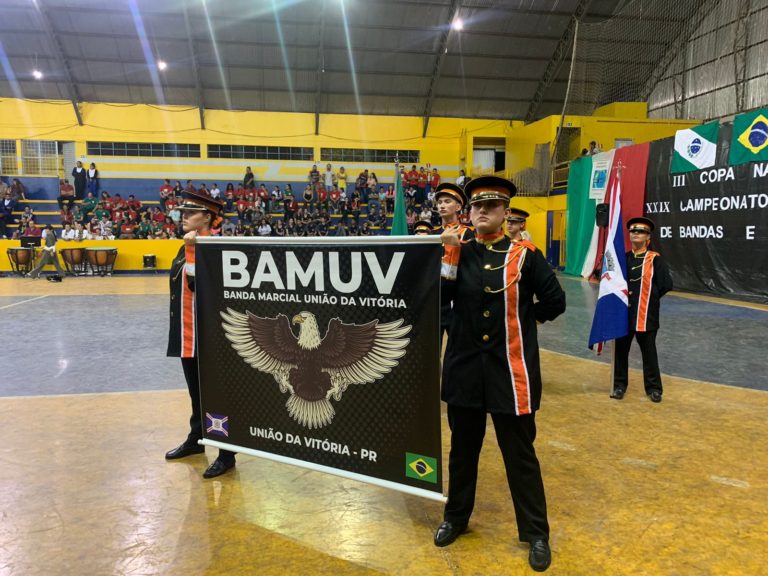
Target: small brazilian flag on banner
{"type": "Point", "coordinates": [750, 137]}
{"type": "Point", "coordinates": [421, 467]}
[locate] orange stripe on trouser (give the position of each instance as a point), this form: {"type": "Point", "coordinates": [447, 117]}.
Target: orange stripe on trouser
{"type": "Point", "coordinates": [514, 336]}
{"type": "Point", "coordinates": [645, 293]}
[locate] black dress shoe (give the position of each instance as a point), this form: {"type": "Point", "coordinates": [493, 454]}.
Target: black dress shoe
{"type": "Point", "coordinates": [655, 396]}
{"type": "Point", "coordinates": [617, 394]}
{"type": "Point", "coordinates": [540, 556]}
{"type": "Point", "coordinates": [447, 532]}
{"type": "Point", "coordinates": [218, 467]}
{"type": "Point", "coordinates": [186, 449]}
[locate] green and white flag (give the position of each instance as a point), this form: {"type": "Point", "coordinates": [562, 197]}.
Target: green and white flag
{"type": "Point", "coordinates": [695, 148]}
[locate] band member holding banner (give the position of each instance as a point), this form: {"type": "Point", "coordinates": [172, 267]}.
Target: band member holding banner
{"type": "Point", "coordinates": [450, 200]}
{"type": "Point", "coordinates": [492, 362]}
{"type": "Point", "coordinates": [648, 280]}
{"type": "Point", "coordinates": [200, 213]}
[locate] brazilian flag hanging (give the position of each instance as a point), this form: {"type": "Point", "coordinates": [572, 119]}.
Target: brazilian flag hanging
{"type": "Point", "coordinates": [750, 138]}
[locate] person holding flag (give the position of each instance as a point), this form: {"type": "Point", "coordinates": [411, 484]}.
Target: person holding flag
{"type": "Point", "coordinates": [648, 280]}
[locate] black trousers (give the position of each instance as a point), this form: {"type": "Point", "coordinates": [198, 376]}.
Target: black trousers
{"type": "Point", "coordinates": [192, 376]}
{"type": "Point", "coordinates": [651, 373]}
{"type": "Point", "coordinates": [515, 435]}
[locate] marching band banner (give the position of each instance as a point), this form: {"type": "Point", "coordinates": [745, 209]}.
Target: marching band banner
{"type": "Point", "coordinates": [324, 353]}
{"type": "Point", "coordinates": [711, 224]}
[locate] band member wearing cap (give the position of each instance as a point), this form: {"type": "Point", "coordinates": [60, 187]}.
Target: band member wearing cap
{"type": "Point", "coordinates": [516, 224]}
{"type": "Point", "coordinates": [492, 363]}
{"type": "Point", "coordinates": [450, 200]}
{"type": "Point", "coordinates": [422, 228]}
{"type": "Point", "coordinates": [200, 212]}
{"type": "Point", "coordinates": [648, 280]}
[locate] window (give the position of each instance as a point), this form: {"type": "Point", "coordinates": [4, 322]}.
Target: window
{"type": "Point", "coordinates": [260, 152]}
{"type": "Point", "coordinates": [39, 157]}
{"type": "Point", "coordinates": [8, 157]}
{"type": "Point", "coordinates": [371, 156]}
{"type": "Point", "coordinates": [152, 150]}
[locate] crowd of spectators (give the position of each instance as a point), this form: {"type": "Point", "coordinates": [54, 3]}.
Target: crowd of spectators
{"type": "Point", "coordinates": [333, 202]}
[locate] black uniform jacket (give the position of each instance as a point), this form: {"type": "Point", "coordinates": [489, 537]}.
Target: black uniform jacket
{"type": "Point", "coordinates": [648, 280]}
{"type": "Point", "coordinates": [180, 327]}
{"type": "Point", "coordinates": [492, 358]}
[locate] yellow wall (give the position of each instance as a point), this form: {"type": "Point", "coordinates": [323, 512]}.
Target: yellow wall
{"type": "Point", "coordinates": [25, 119]}
{"type": "Point", "coordinates": [130, 253]}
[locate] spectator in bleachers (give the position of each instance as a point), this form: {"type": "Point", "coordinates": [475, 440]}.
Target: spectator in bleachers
{"type": "Point", "coordinates": [279, 228]}
{"type": "Point", "coordinates": [106, 200]}
{"type": "Point", "coordinates": [215, 192]}
{"type": "Point", "coordinates": [389, 200]}
{"type": "Point", "coordinates": [190, 187]}
{"type": "Point", "coordinates": [410, 196]}
{"type": "Point", "coordinates": [175, 214]}
{"type": "Point", "coordinates": [66, 194]}
{"type": "Point", "coordinates": [101, 210]}
{"type": "Point", "coordinates": [80, 178]}
{"type": "Point", "coordinates": [227, 227]}
{"type": "Point", "coordinates": [118, 203]}
{"type": "Point", "coordinates": [18, 190]}
{"type": "Point", "coordinates": [334, 195]}
{"type": "Point", "coordinates": [341, 179]}
{"type": "Point", "coordinates": [329, 178]}
{"type": "Point", "coordinates": [171, 203]}
{"type": "Point", "coordinates": [128, 229]}
{"type": "Point", "coordinates": [371, 185]}
{"type": "Point", "coordinates": [365, 229]}
{"type": "Point", "coordinates": [410, 218]}
{"type": "Point", "coordinates": [7, 208]}
{"type": "Point", "coordinates": [144, 230]}
{"type": "Point", "coordinates": [277, 198]}
{"type": "Point", "coordinates": [322, 198]}
{"type": "Point", "coordinates": [354, 208]}
{"type": "Point", "coordinates": [264, 228]}
{"type": "Point", "coordinates": [169, 227]}
{"type": "Point", "coordinates": [361, 185]}
{"type": "Point", "coordinates": [80, 233]}
{"type": "Point", "coordinates": [94, 229]}
{"type": "Point", "coordinates": [462, 179]}
{"type": "Point", "coordinates": [229, 198]}
{"type": "Point", "coordinates": [374, 199]}
{"type": "Point", "coordinates": [308, 196]}
{"type": "Point", "coordinates": [32, 229]}
{"type": "Point", "coordinates": [89, 203]}
{"type": "Point", "coordinates": [66, 216]}
{"type": "Point", "coordinates": [322, 227]}
{"type": "Point", "coordinates": [105, 228]}
{"type": "Point", "coordinates": [77, 214]}
{"type": "Point", "coordinates": [202, 189]}
{"type": "Point", "coordinates": [241, 207]}
{"type": "Point", "coordinates": [166, 191]}
{"type": "Point", "coordinates": [249, 180]}
{"type": "Point", "coordinates": [421, 186]}
{"type": "Point", "coordinates": [413, 177]}
{"type": "Point", "coordinates": [133, 204]}
{"type": "Point", "coordinates": [434, 181]}
{"type": "Point", "coordinates": [264, 197]}
{"type": "Point", "coordinates": [426, 213]}
{"type": "Point", "coordinates": [313, 177]}
{"type": "Point", "coordinates": [157, 215]}
{"type": "Point", "coordinates": [93, 179]}
{"type": "Point", "coordinates": [178, 189]}
{"type": "Point", "coordinates": [352, 229]}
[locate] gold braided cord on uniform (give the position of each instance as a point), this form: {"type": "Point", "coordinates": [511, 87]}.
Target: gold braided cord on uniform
{"type": "Point", "coordinates": [515, 249]}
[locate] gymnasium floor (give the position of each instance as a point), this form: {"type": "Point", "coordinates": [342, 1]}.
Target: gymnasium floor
{"type": "Point", "coordinates": [89, 404]}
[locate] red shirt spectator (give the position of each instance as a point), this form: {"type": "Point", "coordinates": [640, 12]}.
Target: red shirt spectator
{"type": "Point", "coordinates": [322, 195]}
{"type": "Point", "coordinates": [166, 189]}
{"type": "Point", "coordinates": [422, 182]}
{"type": "Point", "coordinates": [240, 192]}
{"type": "Point", "coordinates": [169, 228]}
{"type": "Point", "coordinates": [133, 204]}
{"type": "Point", "coordinates": [128, 228]}
{"type": "Point", "coordinates": [413, 177]}
{"type": "Point", "coordinates": [241, 205]}
{"type": "Point", "coordinates": [118, 203]}
{"type": "Point", "coordinates": [132, 215]}
{"type": "Point", "coordinates": [66, 189]}
{"type": "Point", "coordinates": [263, 193]}
{"type": "Point", "coordinates": [158, 217]}
{"type": "Point", "coordinates": [117, 214]}
{"type": "Point", "coordinates": [435, 179]}
{"type": "Point", "coordinates": [66, 217]}
{"type": "Point", "coordinates": [171, 203]}
{"type": "Point", "coordinates": [335, 195]}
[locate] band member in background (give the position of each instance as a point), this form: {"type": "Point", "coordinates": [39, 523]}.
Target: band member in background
{"type": "Point", "coordinates": [200, 213]}
{"type": "Point", "coordinates": [648, 279]}
{"type": "Point", "coordinates": [422, 228]}
{"type": "Point", "coordinates": [516, 224]}
{"type": "Point", "coordinates": [450, 201]}
{"type": "Point", "coordinates": [492, 363]}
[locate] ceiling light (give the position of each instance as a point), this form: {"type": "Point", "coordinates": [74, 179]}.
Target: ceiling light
{"type": "Point", "coordinates": [37, 74]}
{"type": "Point", "coordinates": [162, 64]}
{"type": "Point", "coordinates": [458, 24]}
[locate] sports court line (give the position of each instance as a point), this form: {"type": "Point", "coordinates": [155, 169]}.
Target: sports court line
{"type": "Point", "coordinates": [24, 301]}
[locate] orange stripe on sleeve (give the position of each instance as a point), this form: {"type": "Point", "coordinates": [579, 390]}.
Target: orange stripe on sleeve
{"type": "Point", "coordinates": [187, 319]}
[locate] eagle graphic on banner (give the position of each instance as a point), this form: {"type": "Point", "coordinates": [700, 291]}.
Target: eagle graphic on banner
{"type": "Point", "coordinates": [313, 368]}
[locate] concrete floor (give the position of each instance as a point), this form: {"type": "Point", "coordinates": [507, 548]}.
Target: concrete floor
{"type": "Point", "coordinates": [89, 404]}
